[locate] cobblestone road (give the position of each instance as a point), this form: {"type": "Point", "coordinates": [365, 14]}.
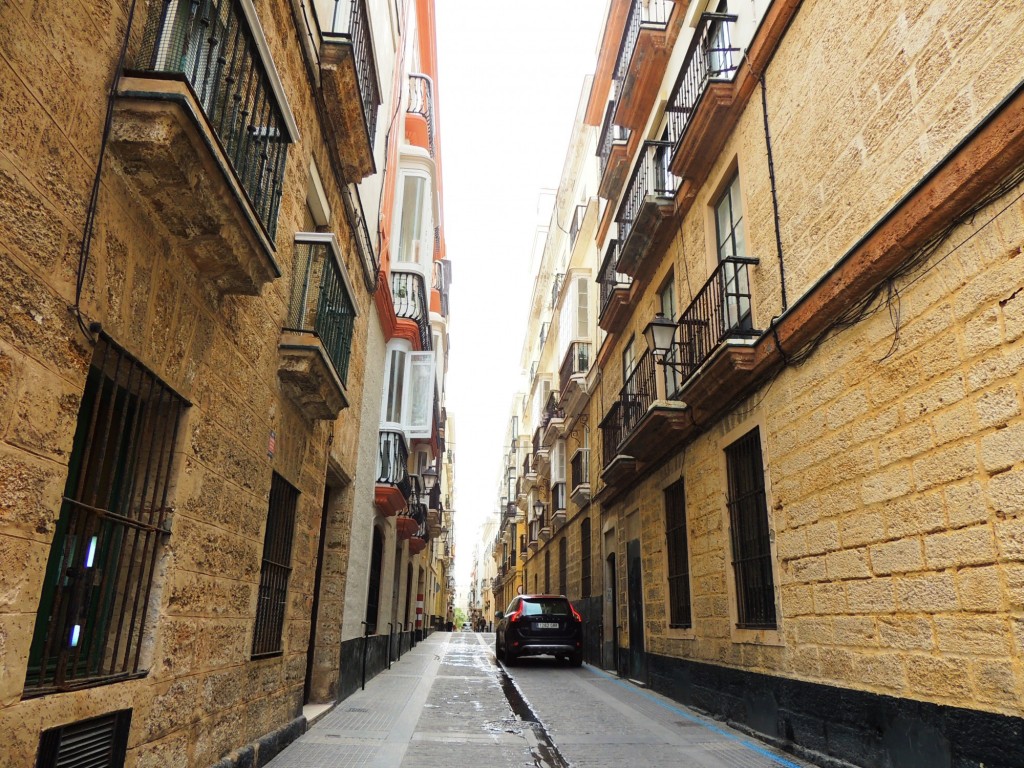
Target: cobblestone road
{"type": "Point", "coordinates": [448, 703]}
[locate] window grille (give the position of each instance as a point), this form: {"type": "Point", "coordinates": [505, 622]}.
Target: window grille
{"type": "Point", "coordinates": [92, 616]}
{"type": "Point", "coordinates": [562, 558]}
{"type": "Point", "coordinates": [751, 544]}
{"type": "Point", "coordinates": [99, 742]}
{"type": "Point", "coordinates": [678, 556]}
{"type": "Point", "coordinates": [585, 557]}
{"type": "Point", "coordinates": [276, 568]}
{"type": "Point", "coordinates": [547, 571]}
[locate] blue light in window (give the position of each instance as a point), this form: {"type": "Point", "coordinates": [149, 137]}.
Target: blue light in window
{"type": "Point", "coordinates": [76, 631]}
{"type": "Point", "coordinates": [91, 555]}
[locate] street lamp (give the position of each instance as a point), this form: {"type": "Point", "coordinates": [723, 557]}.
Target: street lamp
{"type": "Point", "coordinates": [429, 479]}
{"type": "Point", "coordinates": [660, 334]}
{"type": "Point", "coordinates": [538, 508]}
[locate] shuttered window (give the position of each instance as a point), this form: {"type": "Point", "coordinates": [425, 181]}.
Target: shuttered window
{"type": "Point", "coordinates": [276, 568]}
{"type": "Point", "coordinates": [99, 742]}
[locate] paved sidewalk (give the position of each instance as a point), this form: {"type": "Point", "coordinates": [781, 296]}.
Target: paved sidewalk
{"type": "Point", "coordinates": [448, 703]}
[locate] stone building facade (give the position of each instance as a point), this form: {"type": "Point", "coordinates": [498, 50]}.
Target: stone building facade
{"type": "Point", "coordinates": [190, 345]}
{"type": "Point", "coordinates": [806, 472]}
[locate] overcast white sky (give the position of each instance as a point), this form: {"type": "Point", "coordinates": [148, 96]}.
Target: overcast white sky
{"type": "Point", "coordinates": [509, 81]}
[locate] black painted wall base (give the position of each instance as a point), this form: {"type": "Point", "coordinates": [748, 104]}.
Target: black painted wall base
{"type": "Point", "coordinates": [836, 726]}
{"type": "Point", "coordinates": [261, 752]}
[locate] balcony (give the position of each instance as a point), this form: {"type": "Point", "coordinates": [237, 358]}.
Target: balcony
{"type": "Point", "coordinates": [394, 486]}
{"type": "Point", "coordinates": [643, 54]}
{"type": "Point", "coordinates": [419, 120]}
{"type": "Point", "coordinates": [572, 378]}
{"type": "Point", "coordinates": [348, 80]}
{"type": "Point", "coordinates": [534, 540]}
{"type": "Point", "coordinates": [529, 476]}
{"type": "Point", "coordinates": [579, 475]}
{"type": "Point", "coordinates": [545, 526]}
{"type": "Point", "coordinates": [317, 340]}
{"type": "Point", "coordinates": [613, 154]}
{"type": "Point", "coordinates": [615, 290]}
{"type": "Point", "coordinates": [702, 95]}
{"type": "Point", "coordinates": [410, 298]}
{"type": "Point", "coordinates": [558, 505]}
{"type": "Point", "coordinates": [202, 143]}
{"type": "Point", "coordinates": [716, 332]}
{"type": "Point", "coordinates": [576, 225]}
{"type": "Point", "coordinates": [552, 420]}
{"type": "Point", "coordinates": [410, 520]}
{"type": "Point", "coordinates": [617, 467]}
{"type": "Point", "coordinates": [441, 287]}
{"type": "Point", "coordinates": [646, 210]}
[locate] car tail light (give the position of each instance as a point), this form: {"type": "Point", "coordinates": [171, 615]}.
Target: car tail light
{"type": "Point", "coordinates": [514, 616]}
{"type": "Point", "coordinates": [575, 614]}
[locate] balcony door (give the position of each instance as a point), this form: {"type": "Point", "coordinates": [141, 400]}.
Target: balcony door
{"type": "Point", "coordinates": [730, 244]}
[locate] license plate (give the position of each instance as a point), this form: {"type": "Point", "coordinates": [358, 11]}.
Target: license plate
{"type": "Point", "coordinates": [547, 625]}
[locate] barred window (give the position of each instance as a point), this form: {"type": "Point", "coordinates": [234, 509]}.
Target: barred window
{"type": "Point", "coordinates": [97, 592]}
{"type": "Point", "coordinates": [276, 568]}
{"type": "Point", "coordinates": [678, 556]}
{"type": "Point", "coordinates": [585, 557]}
{"type": "Point", "coordinates": [562, 563]}
{"type": "Point", "coordinates": [749, 534]}
{"type": "Point", "coordinates": [547, 571]}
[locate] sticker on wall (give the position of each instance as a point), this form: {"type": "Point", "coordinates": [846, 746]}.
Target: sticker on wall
{"type": "Point", "coordinates": [271, 444]}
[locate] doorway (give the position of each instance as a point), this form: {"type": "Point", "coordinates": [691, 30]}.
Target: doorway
{"type": "Point", "coordinates": [611, 591]}
{"type": "Point", "coordinates": [315, 610]}
{"type": "Point", "coordinates": [637, 657]}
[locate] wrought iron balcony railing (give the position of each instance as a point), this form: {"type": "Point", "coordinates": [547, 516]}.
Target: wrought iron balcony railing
{"type": "Point", "coordinates": [528, 465]}
{"type": "Point", "coordinates": [610, 135]}
{"type": "Point", "coordinates": [393, 462]}
{"type": "Point", "coordinates": [651, 177]}
{"type": "Point", "coordinates": [421, 102]}
{"type": "Point", "coordinates": [556, 288]}
{"type": "Point", "coordinates": [211, 45]}
{"type": "Point", "coordinates": [720, 310]}
{"type": "Point", "coordinates": [611, 432]}
{"type": "Point", "coordinates": [538, 434]}
{"type": "Point", "coordinates": [649, 13]}
{"type": "Point", "coordinates": [552, 410]}
{"type": "Point", "coordinates": [576, 361]}
{"type": "Point", "coordinates": [442, 282]}
{"type": "Point", "coordinates": [638, 393]}
{"type": "Point", "coordinates": [609, 279]}
{"type": "Point", "coordinates": [711, 57]}
{"type": "Point", "coordinates": [580, 468]}
{"type": "Point", "coordinates": [320, 303]}
{"type": "Point", "coordinates": [410, 297]}
{"type": "Point", "coordinates": [351, 20]}
{"type": "Point", "coordinates": [576, 224]}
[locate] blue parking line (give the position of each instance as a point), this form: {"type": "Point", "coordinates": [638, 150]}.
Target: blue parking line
{"type": "Point", "coordinates": [699, 721]}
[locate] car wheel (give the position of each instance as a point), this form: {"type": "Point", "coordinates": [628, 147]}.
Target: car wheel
{"type": "Point", "coordinates": [576, 660]}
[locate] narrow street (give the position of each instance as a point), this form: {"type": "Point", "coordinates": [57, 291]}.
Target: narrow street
{"type": "Point", "coordinates": [448, 702]}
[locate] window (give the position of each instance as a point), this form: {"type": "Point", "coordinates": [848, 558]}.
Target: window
{"type": "Point", "coordinates": [415, 233]}
{"type": "Point", "coordinates": [731, 244]}
{"type": "Point", "coordinates": [585, 557]}
{"type": "Point", "coordinates": [547, 571]}
{"type": "Point", "coordinates": [749, 534]}
{"type": "Point", "coordinates": [678, 556]}
{"type": "Point", "coordinates": [563, 558]}
{"type": "Point", "coordinates": [93, 614]}
{"type": "Point", "coordinates": [718, 47]}
{"type": "Point", "coordinates": [99, 742]}
{"type": "Point", "coordinates": [276, 568]}
{"type": "Point", "coordinates": [394, 396]}
{"type": "Point", "coordinates": [667, 307]}
{"type": "Point", "coordinates": [409, 397]}
{"type": "Point", "coordinates": [628, 359]}
{"type": "Point", "coordinates": [558, 465]}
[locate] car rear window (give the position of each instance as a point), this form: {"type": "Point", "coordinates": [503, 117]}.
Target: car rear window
{"type": "Point", "coordinates": [545, 607]}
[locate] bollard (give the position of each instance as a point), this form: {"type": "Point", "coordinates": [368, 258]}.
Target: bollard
{"type": "Point", "coordinates": [366, 637]}
{"type": "Point", "coordinates": [391, 631]}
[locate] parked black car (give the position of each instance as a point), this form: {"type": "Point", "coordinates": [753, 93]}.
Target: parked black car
{"type": "Point", "coordinates": [539, 624]}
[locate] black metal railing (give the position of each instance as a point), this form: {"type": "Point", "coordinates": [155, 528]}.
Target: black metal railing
{"type": "Point", "coordinates": [350, 19]}
{"type": "Point", "coordinates": [722, 309]}
{"type": "Point", "coordinates": [528, 465]}
{"type": "Point", "coordinates": [579, 468]}
{"type": "Point", "coordinates": [610, 135]}
{"type": "Point", "coordinates": [556, 288]}
{"type": "Point", "coordinates": [320, 303]}
{"type": "Point", "coordinates": [393, 462]}
{"type": "Point", "coordinates": [552, 410]}
{"type": "Point", "coordinates": [576, 224]}
{"type": "Point", "coordinates": [576, 361]}
{"type": "Point", "coordinates": [711, 57]}
{"type": "Point", "coordinates": [611, 432]}
{"type": "Point", "coordinates": [543, 336]}
{"type": "Point", "coordinates": [608, 278]}
{"type": "Point", "coordinates": [442, 282]}
{"type": "Point", "coordinates": [421, 102]}
{"type": "Point", "coordinates": [638, 393]}
{"type": "Point", "coordinates": [210, 44]}
{"type": "Point", "coordinates": [410, 297]}
{"type": "Point", "coordinates": [275, 570]}
{"type": "Point", "coordinates": [642, 13]}
{"type": "Point", "coordinates": [558, 502]}
{"type": "Point", "coordinates": [651, 177]}
{"type": "Point", "coordinates": [359, 239]}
